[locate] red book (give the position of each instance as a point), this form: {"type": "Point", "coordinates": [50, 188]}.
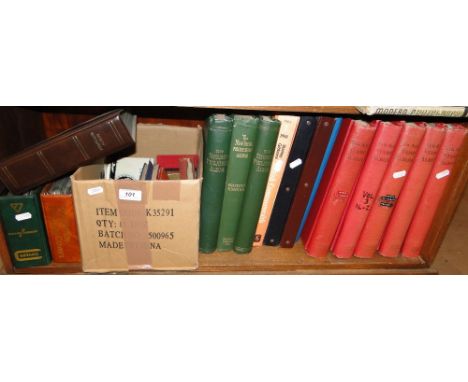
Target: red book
{"type": "Point", "coordinates": [173, 161]}
{"type": "Point", "coordinates": [389, 189]}
{"type": "Point", "coordinates": [340, 176]}
{"type": "Point", "coordinates": [60, 221]}
{"type": "Point", "coordinates": [162, 174]}
{"type": "Point", "coordinates": [412, 190]}
{"type": "Point", "coordinates": [434, 190]}
{"type": "Point", "coordinates": [354, 218]}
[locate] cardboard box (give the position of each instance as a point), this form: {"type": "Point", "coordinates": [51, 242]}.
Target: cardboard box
{"type": "Point", "coordinates": [141, 225]}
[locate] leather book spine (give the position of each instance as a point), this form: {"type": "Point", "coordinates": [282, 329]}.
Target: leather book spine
{"type": "Point", "coordinates": [347, 168]}
{"type": "Point", "coordinates": [24, 230]}
{"type": "Point", "coordinates": [288, 185]}
{"type": "Point", "coordinates": [218, 140]}
{"type": "Point", "coordinates": [244, 135]}
{"type": "Point", "coordinates": [258, 177]}
{"type": "Point", "coordinates": [389, 190]}
{"type": "Point", "coordinates": [288, 129]}
{"type": "Point", "coordinates": [411, 192]}
{"type": "Point", "coordinates": [65, 152]}
{"type": "Point", "coordinates": [366, 188]}
{"type": "Point", "coordinates": [432, 196]}
{"type": "Point", "coordinates": [60, 222]}
{"type": "Point", "coordinates": [308, 176]}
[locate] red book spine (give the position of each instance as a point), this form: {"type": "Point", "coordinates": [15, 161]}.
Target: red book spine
{"type": "Point", "coordinates": [411, 193]}
{"type": "Point", "coordinates": [348, 166]}
{"type": "Point", "coordinates": [366, 188]}
{"type": "Point", "coordinates": [62, 231]}
{"type": "Point", "coordinates": [389, 190]}
{"type": "Point", "coordinates": [434, 190]}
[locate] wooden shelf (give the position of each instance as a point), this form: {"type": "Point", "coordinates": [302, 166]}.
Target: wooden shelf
{"type": "Point", "coordinates": [295, 260]}
{"type": "Point", "coordinates": [51, 269]}
{"type": "Point", "coordinates": [351, 110]}
{"type": "Point", "coordinates": [272, 260]}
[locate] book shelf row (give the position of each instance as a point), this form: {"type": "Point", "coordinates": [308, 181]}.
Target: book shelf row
{"type": "Point", "coordinates": [277, 260]}
{"type": "Point", "coordinates": [339, 179]}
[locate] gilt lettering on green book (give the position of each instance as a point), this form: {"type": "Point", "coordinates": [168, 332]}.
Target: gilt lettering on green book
{"type": "Point", "coordinates": [24, 229]}
{"type": "Point", "coordinates": [244, 134]}
{"type": "Point", "coordinates": [217, 143]}
{"type": "Point", "coordinates": [256, 185]}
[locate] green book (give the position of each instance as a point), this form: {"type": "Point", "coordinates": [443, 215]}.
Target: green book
{"type": "Point", "coordinates": [217, 143]}
{"type": "Point", "coordinates": [256, 185]}
{"type": "Point", "coordinates": [244, 134]}
{"type": "Point", "coordinates": [24, 229]}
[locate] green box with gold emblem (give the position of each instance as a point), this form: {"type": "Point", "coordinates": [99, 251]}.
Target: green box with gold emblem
{"type": "Point", "coordinates": [23, 224]}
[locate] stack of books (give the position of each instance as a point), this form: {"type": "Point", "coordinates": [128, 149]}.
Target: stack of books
{"type": "Point", "coordinates": [347, 187]}
{"type": "Point", "coordinates": [37, 215]}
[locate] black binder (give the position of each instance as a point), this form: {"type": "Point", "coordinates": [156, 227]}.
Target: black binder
{"type": "Point", "coordinates": [290, 179]}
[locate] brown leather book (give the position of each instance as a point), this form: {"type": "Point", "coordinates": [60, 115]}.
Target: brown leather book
{"type": "Point", "coordinates": [60, 222]}
{"type": "Point", "coordinates": [304, 187]}
{"type": "Point", "coordinates": [65, 152]}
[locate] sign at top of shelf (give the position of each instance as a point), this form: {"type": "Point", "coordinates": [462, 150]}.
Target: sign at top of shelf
{"type": "Point", "coordinates": [425, 111]}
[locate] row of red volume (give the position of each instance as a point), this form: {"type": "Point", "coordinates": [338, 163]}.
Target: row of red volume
{"type": "Point", "coordinates": [382, 188]}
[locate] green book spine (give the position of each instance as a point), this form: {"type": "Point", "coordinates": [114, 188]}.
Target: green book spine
{"type": "Point", "coordinates": [24, 229]}
{"type": "Point", "coordinates": [218, 141]}
{"type": "Point", "coordinates": [256, 185]}
{"type": "Point", "coordinates": [244, 134]}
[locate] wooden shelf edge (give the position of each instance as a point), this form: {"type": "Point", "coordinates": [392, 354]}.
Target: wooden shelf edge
{"type": "Point", "coordinates": [370, 271]}
{"type": "Point", "coordinates": [51, 269]}
{"type": "Point", "coordinates": [270, 260]}
{"type": "Point", "coordinates": [351, 110]}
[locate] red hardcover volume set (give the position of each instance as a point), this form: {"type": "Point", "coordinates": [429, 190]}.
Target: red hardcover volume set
{"type": "Point", "coordinates": [382, 187]}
